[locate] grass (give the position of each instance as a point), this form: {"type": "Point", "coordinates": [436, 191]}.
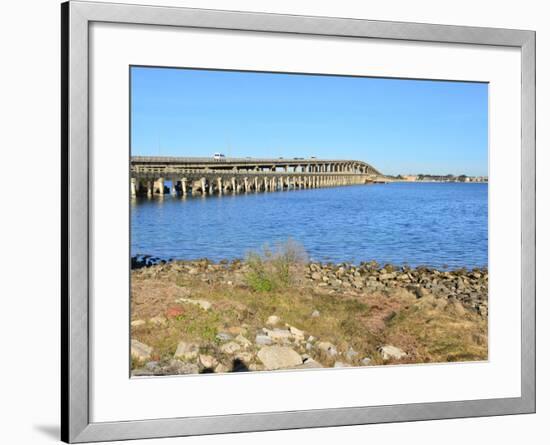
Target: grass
{"type": "Point", "coordinates": [438, 332]}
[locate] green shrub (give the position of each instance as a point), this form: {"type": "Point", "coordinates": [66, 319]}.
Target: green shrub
{"type": "Point", "coordinates": [274, 268]}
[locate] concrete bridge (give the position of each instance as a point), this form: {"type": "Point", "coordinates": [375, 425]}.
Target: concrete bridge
{"type": "Point", "coordinates": [240, 175]}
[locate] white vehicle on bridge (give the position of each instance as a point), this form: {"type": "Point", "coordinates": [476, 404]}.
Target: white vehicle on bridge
{"type": "Point", "coordinates": [219, 156]}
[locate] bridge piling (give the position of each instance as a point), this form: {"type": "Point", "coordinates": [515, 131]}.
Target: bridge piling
{"type": "Point", "coordinates": [208, 176]}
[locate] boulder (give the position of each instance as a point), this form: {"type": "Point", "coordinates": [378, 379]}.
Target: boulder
{"type": "Point", "coordinates": [179, 367]}
{"type": "Point", "coordinates": [140, 351]}
{"type": "Point", "coordinates": [207, 361]}
{"type": "Point", "coordinates": [386, 276]}
{"type": "Point", "coordinates": [309, 364]}
{"type": "Point", "coordinates": [351, 354]}
{"type": "Point", "coordinates": [221, 368]}
{"type": "Point", "coordinates": [262, 339]}
{"type": "Point", "coordinates": [230, 348]}
{"type": "Point", "coordinates": [272, 320]}
{"type": "Point", "coordinates": [297, 333]}
{"type": "Point", "coordinates": [224, 336]}
{"type": "Point", "coordinates": [186, 351]}
{"type": "Point", "coordinates": [279, 357]}
{"type": "Point", "coordinates": [327, 348]}
{"type": "Point", "coordinates": [388, 352]}
{"type": "Point", "coordinates": [137, 323]}
{"type": "Point", "coordinates": [278, 334]}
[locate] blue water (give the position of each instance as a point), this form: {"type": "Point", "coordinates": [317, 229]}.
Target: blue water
{"type": "Point", "coordinates": [433, 224]}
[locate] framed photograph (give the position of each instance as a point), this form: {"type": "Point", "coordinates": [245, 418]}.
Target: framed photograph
{"type": "Point", "coordinates": [275, 222]}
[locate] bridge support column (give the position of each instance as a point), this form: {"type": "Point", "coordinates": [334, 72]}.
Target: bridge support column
{"type": "Point", "coordinates": [255, 183]}
{"type": "Point", "coordinates": [281, 184]}
{"type": "Point", "coordinates": [220, 186]}
{"type": "Point", "coordinates": [203, 185]}
{"type": "Point", "coordinates": [233, 185]}
{"type": "Point", "coordinates": [246, 190]}
{"type": "Point", "coordinates": [183, 186]}
{"type": "Point", "coordinates": [133, 191]}
{"type": "Point", "coordinates": [158, 186]}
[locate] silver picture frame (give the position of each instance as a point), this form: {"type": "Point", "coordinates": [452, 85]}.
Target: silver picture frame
{"type": "Point", "coordinates": [76, 18]}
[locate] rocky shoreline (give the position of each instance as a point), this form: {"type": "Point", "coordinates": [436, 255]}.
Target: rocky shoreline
{"type": "Point", "coordinates": [198, 316]}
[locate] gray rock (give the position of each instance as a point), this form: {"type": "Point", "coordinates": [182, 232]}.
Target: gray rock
{"type": "Point", "coordinates": [263, 340]}
{"type": "Point", "coordinates": [278, 334]}
{"type": "Point", "coordinates": [207, 361]}
{"type": "Point", "coordinates": [328, 348]}
{"type": "Point", "coordinates": [297, 333]}
{"type": "Point", "coordinates": [221, 368]}
{"type": "Point", "coordinates": [178, 367]}
{"type": "Point", "coordinates": [388, 352]}
{"type": "Point", "coordinates": [272, 320]}
{"type": "Point", "coordinates": [351, 354]}
{"type": "Point", "coordinates": [309, 364]}
{"type": "Point", "coordinates": [137, 323]}
{"type": "Point", "coordinates": [224, 336]}
{"type": "Point", "coordinates": [140, 351]}
{"type": "Point", "coordinates": [279, 357]}
{"type": "Point", "coordinates": [386, 276]}
{"type": "Point", "coordinates": [315, 314]}
{"type": "Point", "coordinates": [143, 372]}
{"type": "Point", "coordinates": [366, 361]}
{"type": "Point", "coordinates": [152, 366]}
{"type": "Point", "coordinates": [186, 351]}
{"type": "Point", "coordinates": [230, 348]}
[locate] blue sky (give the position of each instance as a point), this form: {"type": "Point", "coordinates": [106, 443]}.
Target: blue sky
{"type": "Point", "coordinates": [399, 126]}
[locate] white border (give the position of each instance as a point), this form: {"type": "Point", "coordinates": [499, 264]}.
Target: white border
{"type": "Point", "coordinates": [115, 397]}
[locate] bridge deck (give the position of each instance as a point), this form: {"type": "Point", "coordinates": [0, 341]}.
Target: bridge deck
{"type": "Point", "coordinates": [159, 164]}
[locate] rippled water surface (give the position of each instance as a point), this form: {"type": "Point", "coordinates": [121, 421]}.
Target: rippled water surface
{"type": "Point", "coordinates": [436, 224]}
